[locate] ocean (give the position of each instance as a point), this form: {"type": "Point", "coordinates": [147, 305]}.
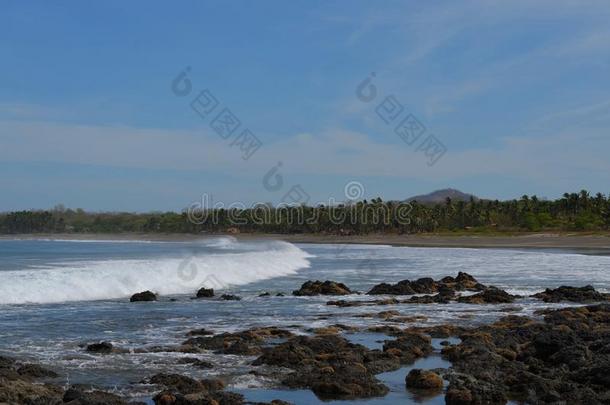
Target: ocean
{"type": "Point", "coordinates": [57, 296]}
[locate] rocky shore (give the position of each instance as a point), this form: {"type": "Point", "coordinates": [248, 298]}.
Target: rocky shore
{"type": "Point", "coordinates": [557, 356]}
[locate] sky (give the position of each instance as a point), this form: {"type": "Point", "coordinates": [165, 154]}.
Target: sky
{"type": "Point", "coordinates": [150, 105]}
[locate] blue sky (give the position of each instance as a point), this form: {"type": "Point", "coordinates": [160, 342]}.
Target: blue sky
{"type": "Point", "coordinates": [516, 92]}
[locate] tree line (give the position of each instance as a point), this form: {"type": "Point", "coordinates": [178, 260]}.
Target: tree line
{"type": "Point", "coordinates": [572, 212]}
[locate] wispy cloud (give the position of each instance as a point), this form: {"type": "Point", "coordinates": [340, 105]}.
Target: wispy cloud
{"type": "Point", "coordinates": [333, 152]}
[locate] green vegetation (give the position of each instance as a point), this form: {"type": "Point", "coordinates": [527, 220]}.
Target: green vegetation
{"type": "Point", "coordinates": [573, 212]}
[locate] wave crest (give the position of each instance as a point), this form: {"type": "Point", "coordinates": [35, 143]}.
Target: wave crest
{"type": "Point", "coordinates": [113, 279]}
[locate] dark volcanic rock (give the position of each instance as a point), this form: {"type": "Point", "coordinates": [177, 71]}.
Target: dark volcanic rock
{"type": "Point", "coordinates": [400, 288]}
{"type": "Point", "coordinates": [171, 397]}
{"type": "Point", "coordinates": [409, 346]}
{"type": "Point", "coordinates": [466, 390]}
{"type": "Point", "coordinates": [35, 371]}
{"type": "Point", "coordinates": [491, 295]}
{"type": "Point", "coordinates": [205, 293]}
{"type": "Point", "coordinates": [102, 347]}
{"type": "Point", "coordinates": [200, 332]}
{"type": "Point", "coordinates": [345, 303]}
{"type": "Point", "coordinates": [19, 385]}
{"type": "Point", "coordinates": [75, 396]}
{"type": "Point", "coordinates": [423, 379]}
{"type": "Point", "coordinates": [426, 285]}
{"type": "Point", "coordinates": [177, 382]}
{"type": "Point", "coordinates": [6, 362]}
{"type": "Point", "coordinates": [230, 297]}
{"type": "Point", "coordinates": [196, 362]}
{"type": "Point", "coordinates": [24, 392]}
{"type": "Point", "coordinates": [565, 359]}
{"type": "Point", "coordinates": [143, 296]}
{"type": "Point", "coordinates": [247, 342]}
{"type": "Point", "coordinates": [334, 368]}
{"type": "Point", "coordinates": [574, 294]}
{"type": "Point", "coordinates": [440, 298]}
{"type": "Point", "coordinates": [182, 390]}
{"type": "Point", "coordinates": [317, 287]}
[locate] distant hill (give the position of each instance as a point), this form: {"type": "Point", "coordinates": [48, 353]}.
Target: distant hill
{"type": "Point", "coordinates": [439, 196]}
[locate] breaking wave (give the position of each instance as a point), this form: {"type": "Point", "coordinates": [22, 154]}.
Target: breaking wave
{"type": "Point", "coordinates": [113, 279]}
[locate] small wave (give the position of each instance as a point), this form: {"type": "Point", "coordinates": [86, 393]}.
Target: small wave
{"type": "Point", "coordinates": [222, 242]}
{"type": "Point", "coordinates": [113, 279]}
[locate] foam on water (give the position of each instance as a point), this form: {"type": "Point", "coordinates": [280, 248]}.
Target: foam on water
{"type": "Point", "coordinates": [112, 279]}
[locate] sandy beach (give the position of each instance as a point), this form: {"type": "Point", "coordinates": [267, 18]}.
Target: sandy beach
{"type": "Point", "coordinates": [587, 243]}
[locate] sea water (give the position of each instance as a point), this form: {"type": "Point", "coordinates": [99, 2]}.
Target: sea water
{"type": "Point", "coordinates": [56, 296]}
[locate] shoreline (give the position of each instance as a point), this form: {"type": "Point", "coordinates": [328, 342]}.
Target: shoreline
{"type": "Point", "coordinates": [592, 244]}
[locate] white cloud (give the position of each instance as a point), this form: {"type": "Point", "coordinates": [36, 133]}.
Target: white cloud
{"type": "Point", "coordinates": [333, 152]}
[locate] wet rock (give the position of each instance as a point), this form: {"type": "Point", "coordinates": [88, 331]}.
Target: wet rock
{"type": "Point", "coordinates": [71, 394]}
{"type": "Point", "coordinates": [387, 314]}
{"type": "Point", "coordinates": [205, 293]}
{"type": "Point", "coordinates": [438, 331]}
{"type": "Point", "coordinates": [409, 347]}
{"type": "Point", "coordinates": [456, 396]}
{"type": "Point", "coordinates": [584, 294]}
{"type": "Point", "coordinates": [200, 332]}
{"type": "Point", "coordinates": [213, 384]}
{"type": "Point", "coordinates": [171, 397]}
{"type": "Point", "coordinates": [196, 362]}
{"type": "Point", "coordinates": [311, 288]}
{"type": "Point", "coordinates": [465, 281]}
{"type": "Point", "coordinates": [230, 297]}
{"type": "Point", "coordinates": [354, 303]}
{"type": "Point", "coordinates": [177, 382]}
{"type": "Point", "coordinates": [333, 329]}
{"type": "Point", "coordinates": [81, 397]}
{"type": "Point", "coordinates": [25, 392]}
{"type": "Point", "coordinates": [331, 366]}
{"type": "Point", "coordinates": [101, 347]}
{"type": "Point", "coordinates": [426, 285]}
{"type": "Point", "coordinates": [265, 294]}
{"type": "Point", "coordinates": [386, 329]}
{"type": "Point", "coordinates": [243, 348]}
{"type": "Point", "coordinates": [166, 398]}
{"type": "Point", "coordinates": [561, 360]}
{"type": "Point", "coordinates": [491, 295]}
{"type": "Point", "coordinates": [6, 362]}
{"type": "Point", "coordinates": [327, 330]}
{"type": "Point", "coordinates": [35, 371]}
{"type": "Point", "coordinates": [444, 298]}
{"type": "Point", "coordinates": [243, 343]}
{"type": "Point", "coordinates": [423, 379]}
{"type": "Point", "coordinates": [143, 296]}
{"type": "Point", "coordinates": [400, 288]}
{"type": "Point", "coordinates": [468, 390]}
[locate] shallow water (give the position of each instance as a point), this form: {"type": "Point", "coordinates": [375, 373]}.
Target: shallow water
{"type": "Point", "coordinates": [56, 296]}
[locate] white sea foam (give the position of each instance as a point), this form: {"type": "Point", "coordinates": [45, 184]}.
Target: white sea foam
{"type": "Point", "coordinates": [110, 279]}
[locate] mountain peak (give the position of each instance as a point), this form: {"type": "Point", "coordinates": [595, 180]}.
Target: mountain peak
{"type": "Point", "coordinates": [439, 196]}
